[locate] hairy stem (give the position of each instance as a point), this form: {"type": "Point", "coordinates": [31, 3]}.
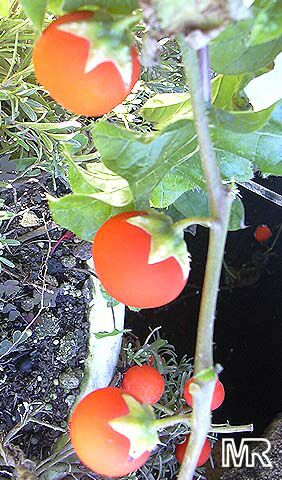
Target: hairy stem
{"type": "Point", "coordinates": [197, 72]}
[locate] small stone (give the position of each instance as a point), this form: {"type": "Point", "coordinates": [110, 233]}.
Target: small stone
{"type": "Point", "coordinates": [56, 382]}
{"type": "Point", "coordinates": [29, 219]}
{"type": "Point", "coordinates": [39, 378]}
{"type": "Point", "coordinates": [51, 280]}
{"type": "Point", "coordinates": [56, 342]}
{"type": "Point", "coordinates": [69, 380]}
{"type": "Point", "coordinates": [69, 262]}
{"type": "Point", "coordinates": [67, 288]}
{"type": "Point", "coordinates": [69, 346]}
{"type": "Point", "coordinates": [27, 304]}
{"type": "Point", "coordinates": [70, 399]}
{"type": "Point", "coordinates": [48, 327]}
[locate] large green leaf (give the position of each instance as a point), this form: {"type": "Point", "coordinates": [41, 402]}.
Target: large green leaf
{"type": "Point", "coordinates": [165, 108]}
{"type": "Point", "coordinates": [143, 160]}
{"type": "Point", "coordinates": [113, 6]}
{"type": "Point", "coordinates": [167, 161]}
{"type": "Point", "coordinates": [4, 8]}
{"type": "Point", "coordinates": [81, 214]}
{"type": "Point", "coordinates": [241, 122]}
{"type": "Point", "coordinates": [195, 204]}
{"type": "Point", "coordinates": [262, 147]}
{"type": "Point", "coordinates": [268, 21]}
{"type": "Point", "coordinates": [35, 11]}
{"type": "Point", "coordinates": [232, 54]}
{"type": "Point", "coordinates": [100, 183]}
{"type": "Point", "coordinates": [227, 94]}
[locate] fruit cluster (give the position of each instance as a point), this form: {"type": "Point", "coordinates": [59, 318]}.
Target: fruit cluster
{"type": "Point", "coordinates": [112, 429]}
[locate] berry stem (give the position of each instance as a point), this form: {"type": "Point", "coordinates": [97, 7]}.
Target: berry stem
{"type": "Point", "coordinates": [196, 67]}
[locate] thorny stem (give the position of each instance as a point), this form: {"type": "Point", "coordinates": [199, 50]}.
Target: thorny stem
{"type": "Point", "coordinates": [197, 72]}
{"type": "Point", "coordinates": [165, 422]}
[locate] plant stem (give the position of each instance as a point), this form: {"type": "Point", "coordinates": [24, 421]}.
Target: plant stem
{"type": "Point", "coordinates": [165, 422]}
{"type": "Point", "coordinates": [197, 72]}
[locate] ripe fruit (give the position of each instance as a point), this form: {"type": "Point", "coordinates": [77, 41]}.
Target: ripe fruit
{"type": "Point", "coordinates": [144, 383]}
{"type": "Point", "coordinates": [180, 450]}
{"type": "Point", "coordinates": [96, 443]}
{"type": "Point", "coordinates": [78, 74]}
{"type": "Point", "coordinates": [218, 394]}
{"type": "Point", "coordinates": [136, 264]}
{"type": "Point", "coordinates": [262, 233]}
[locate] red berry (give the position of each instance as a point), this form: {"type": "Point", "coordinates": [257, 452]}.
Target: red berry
{"type": "Point", "coordinates": [60, 59]}
{"type": "Point", "coordinates": [144, 383]}
{"type": "Point", "coordinates": [95, 442]}
{"type": "Point", "coordinates": [218, 395]}
{"type": "Point", "coordinates": [180, 450]}
{"type": "Point", "coordinates": [121, 253]}
{"type": "Point", "coordinates": [262, 233]}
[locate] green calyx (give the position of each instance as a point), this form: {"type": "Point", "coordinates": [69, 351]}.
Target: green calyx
{"type": "Point", "coordinates": [166, 241]}
{"type": "Point", "coordinates": [110, 40]}
{"type": "Point", "coordinates": [137, 426]}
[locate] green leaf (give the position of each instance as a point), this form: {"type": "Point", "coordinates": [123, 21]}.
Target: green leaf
{"type": "Point", "coordinates": [101, 184]}
{"type": "Point", "coordinates": [6, 262]}
{"type": "Point", "coordinates": [195, 204]}
{"type": "Point", "coordinates": [232, 54]}
{"type": "Point", "coordinates": [268, 21]}
{"type": "Point", "coordinates": [81, 214]}
{"type": "Point", "coordinates": [111, 334]}
{"type": "Point", "coordinates": [113, 6]}
{"type": "Point", "coordinates": [263, 147]}
{"type": "Point", "coordinates": [237, 217]}
{"type": "Point", "coordinates": [55, 6]}
{"type": "Point", "coordinates": [4, 8]}
{"type": "Point", "coordinates": [165, 108]}
{"type": "Point", "coordinates": [172, 186]}
{"type": "Point", "coordinates": [35, 11]}
{"type": "Point", "coordinates": [170, 156]}
{"type": "Point", "coordinates": [241, 122]}
{"type": "Point", "coordinates": [143, 160]}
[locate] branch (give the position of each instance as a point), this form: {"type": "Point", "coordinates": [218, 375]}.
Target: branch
{"type": "Point", "coordinates": [220, 200]}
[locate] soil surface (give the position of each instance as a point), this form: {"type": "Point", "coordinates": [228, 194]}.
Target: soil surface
{"type": "Point", "coordinates": [43, 325]}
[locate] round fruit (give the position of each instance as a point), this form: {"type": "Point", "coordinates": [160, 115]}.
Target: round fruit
{"type": "Point", "coordinates": [180, 450]}
{"type": "Point", "coordinates": [218, 394]}
{"type": "Point", "coordinates": [262, 233]}
{"type": "Point", "coordinates": [60, 63]}
{"type": "Point", "coordinates": [95, 442]}
{"type": "Point", "coordinates": [144, 383]}
{"type": "Point", "coordinates": [121, 258]}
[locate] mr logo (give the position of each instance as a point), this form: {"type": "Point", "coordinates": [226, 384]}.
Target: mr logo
{"type": "Point", "coordinates": [244, 455]}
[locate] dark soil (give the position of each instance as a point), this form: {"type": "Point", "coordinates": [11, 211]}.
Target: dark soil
{"type": "Point", "coordinates": [46, 294]}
